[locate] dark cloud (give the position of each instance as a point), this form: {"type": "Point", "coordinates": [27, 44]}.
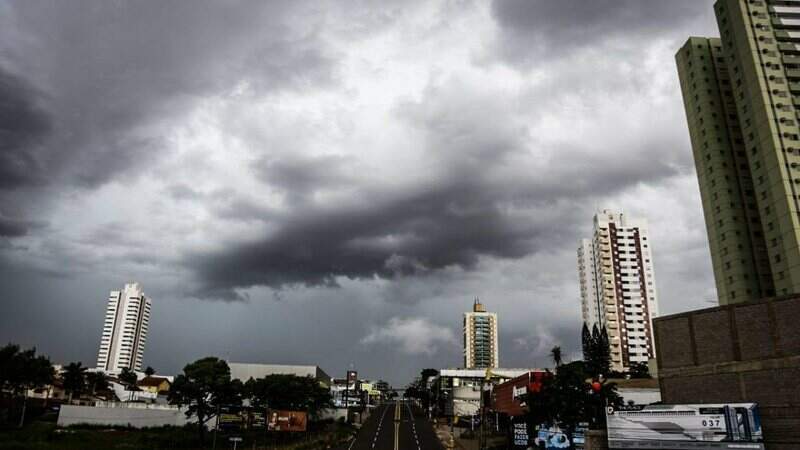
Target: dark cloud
{"type": "Point", "coordinates": [11, 227]}
{"type": "Point", "coordinates": [531, 29]}
{"type": "Point", "coordinates": [118, 72]}
{"type": "Point", "coordinates": [416, 232]}
{"type": "Point", "coordinates": [490, 191]}
{"type": "Point", "coordinates": [24, 126]}
{"type": "Point", "coordinates": [301, 176]}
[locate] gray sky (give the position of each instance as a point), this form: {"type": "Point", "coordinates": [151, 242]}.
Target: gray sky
{"type": "Point", "coordinates": [332, 183]}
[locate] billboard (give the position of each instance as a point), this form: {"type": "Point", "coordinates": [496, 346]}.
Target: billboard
{"type": "Point", "coordinates": [552, 437]}
{"type": "Point", "coordinates": [231, 419]}
{"type": "Point", "coordinates": [695, 426]}
{"type": "Point", "coordinates": [280, 420]}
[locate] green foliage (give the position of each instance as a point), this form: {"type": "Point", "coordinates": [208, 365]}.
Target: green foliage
{"type": "Point", "coordinates": [74, 379]}
{"type": "Point", "coordinates": [639, 370]}
{"type": "Point", "coordinates": [97, 382]}
{"type": "Point", "coordinates": [149, 371]}
{"type": "Point", "coordinates": [288, 392]}
{"type": "Point", "coordinates": [204, 387]}
{"type": "Point", "coordinates": [128, 377]}
{"type": "Point", "coordinates": [21, 371]}
{"type": "Point", "coordinates": [596, 351]}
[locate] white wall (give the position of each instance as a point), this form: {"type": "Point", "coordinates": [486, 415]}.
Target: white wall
{"type": "Point", "coordinates": [135, 415]}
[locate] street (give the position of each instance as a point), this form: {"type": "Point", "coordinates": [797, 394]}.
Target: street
{"type": "Point", "coordinates": [395, 426]}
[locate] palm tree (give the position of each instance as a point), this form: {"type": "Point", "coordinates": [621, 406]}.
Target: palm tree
{"type": "Point", "coordinates": [128, 377]}
{"type": "Point", "coordinates": [97, 381]}
{"type": "Point", "coordinates": [74, 378]}
{"type": "Point", "coordinates": [555, 353]}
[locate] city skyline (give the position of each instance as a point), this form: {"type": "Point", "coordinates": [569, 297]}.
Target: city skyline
{"type": "Point", "coordinates": [330, 184]}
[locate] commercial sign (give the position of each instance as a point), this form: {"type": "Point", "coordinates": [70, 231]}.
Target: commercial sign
{"type": "Point", "coordinates": [517, 392]}
{"type": "Point", "coordinates": [231, 419]}
{"type": "Point", "coordinates": [553, 438]}
{"type": "Point", "coordinates": [520, 434]}
{"type": "Point", "coordinates": [695, 426]}
{"type": "Point", "coordinates": [280, 420]}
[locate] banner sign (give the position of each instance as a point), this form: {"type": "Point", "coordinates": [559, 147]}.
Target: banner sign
{"type": "Point", "coordinates": [520, 435]}
{"type": "Point", "coordinates": [287, 420]}
{"type": "Point", "coordinates": [695, 426]}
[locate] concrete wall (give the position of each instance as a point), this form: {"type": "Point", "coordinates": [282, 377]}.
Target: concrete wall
{"type": "Point", "coordinates": [747, 352]}
{"type": "Point", "coordinates": [134, 415]}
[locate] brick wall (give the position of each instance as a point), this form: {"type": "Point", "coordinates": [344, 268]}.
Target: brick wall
{"type": "Point", "coordinates": [748, 352]}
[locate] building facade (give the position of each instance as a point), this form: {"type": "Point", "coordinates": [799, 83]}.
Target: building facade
{"type": "Point", "coordinates": [742, 94]}
{"type": "Point", "coordinates": [481, 349]}
{"type": "Point", "coordinates": [124, 330]}
{"type": "Point", "coordinates": [617, 284]}
{"type": "Point", "coordinates": [245, 371]}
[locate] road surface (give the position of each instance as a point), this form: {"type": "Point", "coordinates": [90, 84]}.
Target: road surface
{"type": "Point", "coordinates": [395, 426]}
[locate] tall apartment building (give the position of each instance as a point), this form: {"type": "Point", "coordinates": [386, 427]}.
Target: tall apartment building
{"type": "Point", "coordinates": [480, 338]}
{"type": "Point", "coordinates": [125, 330]}
{"type": "Point", "coordinates": [741, 93]}
{"type": "Point", "coordinates": [617, 282]}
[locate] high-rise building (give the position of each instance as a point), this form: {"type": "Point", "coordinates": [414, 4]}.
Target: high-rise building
{"type": "Point", "coordinates": [617, 282]}
{"type": "Point", "coordinates": [480, 338]}
{"type": "Point", "coordinates": [125, 330]}
{"type": "Point", "coordinates": [741, 93]}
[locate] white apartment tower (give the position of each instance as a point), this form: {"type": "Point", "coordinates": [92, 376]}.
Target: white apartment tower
{"type": "Point", "coordinates": [618, 291]}
{"type": "Point", "coordinates": [480, 338]}
{"type": "Point", "coordinates": [125, 330]}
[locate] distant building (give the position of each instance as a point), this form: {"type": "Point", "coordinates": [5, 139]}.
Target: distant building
{"type": "Point", "coordinates": [618, 292]}
{"type": "Point", "coordinates": [154, 384]}
{"type": "Point", "coordinates": [480, 338]}
{"type": "Point", "coordinates": [125, 330]}
{"type": "Point", "coordinates": [457, 391]}
{"type": "Point", "coordinates": [243, 372]}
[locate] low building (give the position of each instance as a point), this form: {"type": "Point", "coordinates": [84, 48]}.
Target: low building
{"type": "Point", "coordinates": [740, 353]}
{"type": "Point", "coordinates": [457, 391]}
{"type": "Point", "coordinates": [346, 394]}
{"type": "Point", "coordinates": [509, 398]}
{"type": "Point", "coordinates": [245, 371]}
{"type": "Point", "coordinates": [154, 385]}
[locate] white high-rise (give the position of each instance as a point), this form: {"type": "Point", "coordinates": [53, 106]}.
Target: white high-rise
{"type": "Point", "coordinates": [480, 338]}
{"type": "Point", "coordinates": [125, 330]}
{"type": "Point", "coordinates": [615, 268]}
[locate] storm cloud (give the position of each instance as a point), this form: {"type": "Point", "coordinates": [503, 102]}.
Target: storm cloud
{"type": "Point", "coordinates": [345, 177]}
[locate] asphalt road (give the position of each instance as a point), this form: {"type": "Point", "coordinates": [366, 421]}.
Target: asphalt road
{"type": "Point", "coordinates": [396, 426]}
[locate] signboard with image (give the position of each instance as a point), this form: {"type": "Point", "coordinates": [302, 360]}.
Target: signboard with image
{"type": "Point", "coordinates": [292, 421]}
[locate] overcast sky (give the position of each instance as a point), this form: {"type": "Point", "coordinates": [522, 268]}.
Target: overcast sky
{"type": "Point", "coordinates": [332, 183]}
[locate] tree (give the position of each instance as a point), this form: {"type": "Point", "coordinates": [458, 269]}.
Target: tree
{"type": "Point", "coordinates": [204, 387]}
{"type": "Point", "coordinates": [639, 370]}
{"type": "Point", "coordinates": [555, 353]}
{"type": "Point", "coordinates": [597, 353]}
{"type": "Point", "coordinates": [26, 371]}
{"type": "Point", "coordinates": [74, 379]}
{"type": "Point", "coordinates": [149, 371]}
{"type": "Point", "coordinates": [97, 382]}
{"type": "Point", "coordinates": [8, 355]}
{"type": "Point", "coordinates": [128, 377]}
{"type": "Point", "coordinates": [289, 392]}
{"type": "Point", "coordinates": [586, 342]}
